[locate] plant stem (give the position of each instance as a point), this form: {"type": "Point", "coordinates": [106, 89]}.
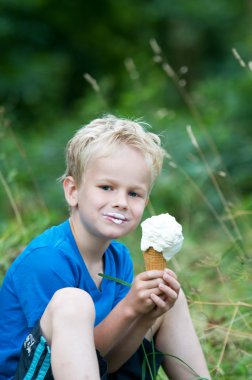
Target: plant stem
{"type": "Point", "coordinates": [114, 279]}
{"type": "Point", "coordinates": [12, 200]}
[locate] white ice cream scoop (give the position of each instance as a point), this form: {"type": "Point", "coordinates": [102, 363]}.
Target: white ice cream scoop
{"type": "Point", "coordinates": [163, 233]}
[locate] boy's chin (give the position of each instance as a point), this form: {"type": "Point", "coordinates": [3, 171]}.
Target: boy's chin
{"type": "Point", "coordinates": [125, 233]}
{"type": "Point", "coordinates": [118, 235]}
{"type": "Point", "coordinates": [119, 231]}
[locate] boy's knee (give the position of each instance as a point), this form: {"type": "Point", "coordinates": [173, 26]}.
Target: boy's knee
{"type": "Point", "coordinates": [73, 303]}
{"type": "Point", "coordinates": [68, 305]}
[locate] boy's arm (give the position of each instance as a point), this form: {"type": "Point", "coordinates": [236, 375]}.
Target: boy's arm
{"type": "Point", "coordinates": [122, 331]}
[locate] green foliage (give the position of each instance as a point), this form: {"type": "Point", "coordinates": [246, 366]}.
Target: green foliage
{"type": "Point", "coordinates": [174, 65]}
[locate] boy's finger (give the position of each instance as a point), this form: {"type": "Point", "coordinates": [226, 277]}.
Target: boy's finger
{"type": "Point", "coordinates": [148, 285]}
{"type": "Point", "coordinates": [172, 282]}
{"type": "Point", "coordinates": [151, 284]}
{"type": "Point", "coordinates": [150, 274]}
{"type": "Point", "coordinates": [170, 272]}
{"type": "Point", "coordinates": [158, 301]}
{"type": "Point", "coordinates": [169, 292]}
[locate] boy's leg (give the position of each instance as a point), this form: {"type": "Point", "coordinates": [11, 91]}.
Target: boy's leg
{"type": "Point", "coordinates": [175, 335]}
{"type": "Point", "coordinates": [67, 325]}
{"type": "Point", "coordinates": [144, 363]}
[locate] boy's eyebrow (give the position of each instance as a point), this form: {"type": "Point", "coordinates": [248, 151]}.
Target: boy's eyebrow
{"type": "Point", "coordinates": [114, 181]}
{"type": "Point", "coordinates": [137, 187]}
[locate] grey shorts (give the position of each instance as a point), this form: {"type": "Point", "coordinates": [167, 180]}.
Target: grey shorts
{"type": "Point", "coordinates": [35, 361]}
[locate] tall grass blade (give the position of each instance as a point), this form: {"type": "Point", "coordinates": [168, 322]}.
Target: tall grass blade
{"type": "Point", "coordinates": [114, 279]}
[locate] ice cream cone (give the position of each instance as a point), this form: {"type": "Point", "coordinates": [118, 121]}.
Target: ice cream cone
{"type": "Point", "coordinates": [154, 259]}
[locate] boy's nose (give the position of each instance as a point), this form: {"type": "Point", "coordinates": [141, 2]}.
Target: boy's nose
{"type": "Point", "coordinates": [120, 201]}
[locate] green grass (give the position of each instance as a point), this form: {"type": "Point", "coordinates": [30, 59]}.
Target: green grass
{"type": "Point", "coordinates": [215, 264]}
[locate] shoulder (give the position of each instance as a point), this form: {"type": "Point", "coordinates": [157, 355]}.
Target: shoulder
{"type": "Point", "coordinates": [53, 236]}
{"type": "Point", "coordinates": [49, 261]}
{"type": "Point", "coordinates": [50, 246]}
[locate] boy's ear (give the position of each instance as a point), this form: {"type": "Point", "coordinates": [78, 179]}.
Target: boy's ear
{"type": "Point", "coordinates": [71, 191]}
{"type": "Point", "coordinates": [147, 201]}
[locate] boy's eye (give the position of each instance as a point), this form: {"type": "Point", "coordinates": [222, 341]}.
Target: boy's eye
{"type": "Point", "coordinates": [133, 194]}
{"type": "Point", "coordinates": [106, 187]}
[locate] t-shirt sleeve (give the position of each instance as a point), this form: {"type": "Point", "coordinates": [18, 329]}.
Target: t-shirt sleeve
{"type": "Point", "coordinates": [125, 272]}
{"type": "Point", "coordinates": [38, 276]}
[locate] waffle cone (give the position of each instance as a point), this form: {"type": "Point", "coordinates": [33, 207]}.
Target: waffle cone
{"type": "Point", "coordinates": [154, 259]}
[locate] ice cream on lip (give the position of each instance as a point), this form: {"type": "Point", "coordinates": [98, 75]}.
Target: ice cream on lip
{"type": "Point", "coordinates": [115, 217]}
{"type": "Point", "coordinates": [163, 233]}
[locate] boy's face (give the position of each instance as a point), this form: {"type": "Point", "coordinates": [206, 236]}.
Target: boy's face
{"type": "Point", "coordinates": [111, 198]}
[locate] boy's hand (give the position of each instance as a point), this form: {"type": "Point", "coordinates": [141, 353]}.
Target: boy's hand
{"type": "Point", "coordinates": [169, 289]}
{"type": "Point", "coordinates": [151, 290]}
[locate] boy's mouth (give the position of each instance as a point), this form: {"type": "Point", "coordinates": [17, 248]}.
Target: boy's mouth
{"type": "Point", "coordinates": [115, 217]}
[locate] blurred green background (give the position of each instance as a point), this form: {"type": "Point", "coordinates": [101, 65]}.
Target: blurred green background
{"type": "Point", "coordinates": [186, 69]}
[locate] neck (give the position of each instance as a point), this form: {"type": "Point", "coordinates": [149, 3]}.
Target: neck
{"type": "Point", "coordinates": [91, 249]}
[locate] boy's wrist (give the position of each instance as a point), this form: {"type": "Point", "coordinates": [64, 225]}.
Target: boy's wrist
{"type": "Point", "coordinates": [133, 314]}
{"type": "Point", "coordinates": [148, 319]}
{"type": "Point", "coordinates": [129, 311]}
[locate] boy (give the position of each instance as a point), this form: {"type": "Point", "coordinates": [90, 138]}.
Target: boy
{"type": "Point", "coordinates": [66, 320]}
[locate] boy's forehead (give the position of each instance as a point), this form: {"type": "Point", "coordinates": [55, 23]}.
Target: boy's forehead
{"type": "Point", "coordinates": [117, 155]}
{"type": "Point", "coordinates": [119, 162]}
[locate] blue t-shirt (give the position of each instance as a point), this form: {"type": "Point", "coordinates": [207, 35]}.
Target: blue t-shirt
{"type": "Point", "coordinates": [50, 262]}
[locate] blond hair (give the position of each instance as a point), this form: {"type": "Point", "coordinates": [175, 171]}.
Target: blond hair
{"type": "Point", "coordinates": [103, 134]}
